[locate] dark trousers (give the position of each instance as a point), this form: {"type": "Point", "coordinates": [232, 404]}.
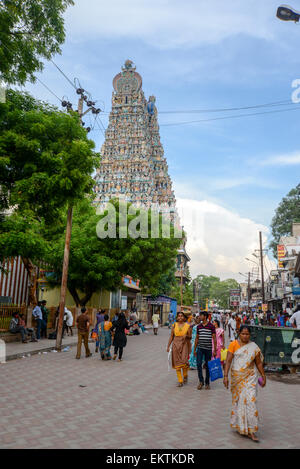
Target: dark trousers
{"type": "Point", "coordinates": [203, 354]}
{"type": "Point", "coordinates": [120, 351]}
{"type": "Point", "coordinates": [83, 337]}
{"type": "Point", "coordinates": [40, 326]}
{"type": "Point", "coordinates": [20, 329]}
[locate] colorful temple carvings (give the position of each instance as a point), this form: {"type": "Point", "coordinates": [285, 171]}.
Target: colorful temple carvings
{"type": "Point", "coordinates": [133, 166]}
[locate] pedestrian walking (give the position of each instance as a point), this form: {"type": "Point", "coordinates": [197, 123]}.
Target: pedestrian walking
{"type": "Point", "coordinates": [206, 334]}
{"type": "Point", "coordinates": [245, 360]}
{"type": "Point", "coordinates": [104, 337]}
{"type": "Point", "coordinates": [193, 359]}
{"type": "Point", "coordinates": [99, 318]}
{"type": "Point", "coordinates": [220, 339]}
{"type": "Point", "coordinates": [120, 339]}
{"type": "Point", "coordinates": [155, 322]}
{"type": "Point", "coordinates": [83, 325]}
{"type": "Point", "coordinates": [69, 321]}
{"type": "Point", "coordinates": [232, 328]}
{"type": "Point", "coordinates": [180, 339]}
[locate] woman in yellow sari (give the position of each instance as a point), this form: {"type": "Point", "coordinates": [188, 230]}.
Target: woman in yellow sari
{"type": "Point", "coordinates": [180, 339]}
{"type": "Point", "coordinates": [245, 359]}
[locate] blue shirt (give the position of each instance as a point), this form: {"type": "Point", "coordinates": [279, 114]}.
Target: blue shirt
{"type": "Point", "coordinates": [37, 313]}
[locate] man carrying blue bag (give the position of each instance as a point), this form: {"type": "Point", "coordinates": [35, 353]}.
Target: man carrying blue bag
{"type": "Point", "coordinates": [206, 333]}
{"type": "Point", "coordinates": [215, 369]}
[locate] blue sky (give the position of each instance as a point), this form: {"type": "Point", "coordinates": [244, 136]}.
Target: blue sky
{"type": "Point", "coordinates": [200, 54]}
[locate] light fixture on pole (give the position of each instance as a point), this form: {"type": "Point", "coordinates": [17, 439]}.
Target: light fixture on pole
{"type": "Point", "coordinates": [287, 13]}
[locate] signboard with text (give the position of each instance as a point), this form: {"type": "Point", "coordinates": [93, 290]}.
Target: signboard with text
{"type": "Point", "coordinates": [280, 255]}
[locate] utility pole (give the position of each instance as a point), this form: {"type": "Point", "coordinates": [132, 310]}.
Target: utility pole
{"type": "Point", "coordinates": [181, 284]}
{"type": "Point", "coordinates": [249, 292]}
{"type": "Point", "coordinates": [262, 268]}
{"type": "Point", "coordinates": [64, 280]}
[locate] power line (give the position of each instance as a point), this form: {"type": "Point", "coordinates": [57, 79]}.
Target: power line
{"type": "Point", "coordinates": [230, 117]}
{"type": "Point", "coordinates": [49, 89]}
{"type": "Point", "coordinates": [60, 70]}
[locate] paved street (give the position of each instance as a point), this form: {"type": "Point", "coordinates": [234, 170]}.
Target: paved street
{"type": "Point", "coordinates": [132, 404]}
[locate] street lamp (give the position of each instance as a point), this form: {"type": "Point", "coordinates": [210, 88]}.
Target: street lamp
{"type": "Point", "coordinates": [287, 13]}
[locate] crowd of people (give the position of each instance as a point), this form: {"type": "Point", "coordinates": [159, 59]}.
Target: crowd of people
{"type": "Point", "coordinates": [192, 345]}
{"type": "Point", "coordinates": [107, 333]}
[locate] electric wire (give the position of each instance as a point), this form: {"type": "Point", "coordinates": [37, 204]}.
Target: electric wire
{"type": "Point", "coordinates": [230, 117]}
{"type": "Point", "coordinates": [60, 70]}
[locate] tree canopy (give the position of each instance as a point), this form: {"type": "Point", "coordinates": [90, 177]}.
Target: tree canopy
{"type": "Point", "coordinates": [30, 30]}
{"type": "Point", "coordinates": [287, 212]}
{"type": "Point", "coordinates": [97, 263]}
{"type": "Point", "coordinates": [46, 161]}
{"type": "Point", "coordinates": [213, 288]}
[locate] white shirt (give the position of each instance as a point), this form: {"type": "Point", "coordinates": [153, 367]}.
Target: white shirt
{"type": "Point", "coordinates": [37, 313]}
{"type": "Point", "coordinates": [232, 324]}
{"type": "Point", "coordinates": [296, 317]}
{"type": "Point", "coordinates": [69, 317]}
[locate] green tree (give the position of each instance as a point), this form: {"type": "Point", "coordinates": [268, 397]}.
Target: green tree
{"type": "Point", "coordinates": [97, 263]}
{"type": "Point", "coordinates": [30, 30]}
{"type": "Point", "coordinates": [286, 213]}
{"type": "Point", "coordinates": [46, 161]}
{"type": "Point", "coordinates": [212, 288]}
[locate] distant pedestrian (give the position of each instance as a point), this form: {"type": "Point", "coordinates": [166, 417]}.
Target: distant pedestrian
{"type": "Point", "coordinates": [83, 325]}
{"type": "Point", "coordinates": [38, 316]}
{"type": "Point", "coordinates": [99, 318]}
{"type": "Point", "coordinates": [232, 328]}
{"type": "Point", "coordinates": [104, 337]}
{"type": "Point", "coordinates": [170, 319]}
{"type": "Point", "coordinates": [244, 358]}
{"type": "Point", "coordinates": [193, 358]}
{"type": "Point", "coordinates": [155, 322]}
{"type": "Point", "coordinates": [120, 339]}
{"type": "Point", "coordinates": [206, 334]}
{"type": "Point", "coordinates": [180, 339]}
{"type": "Point", "coordinates": [69, 321]}
{"type": "Point", "coordinates": [220, 339]}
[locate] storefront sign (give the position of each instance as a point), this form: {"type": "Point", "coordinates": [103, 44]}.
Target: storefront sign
{"type": "Point", "coordinates": [280, 255]}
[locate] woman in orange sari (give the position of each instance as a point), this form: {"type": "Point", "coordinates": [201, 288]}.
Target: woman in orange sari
{"type": "Point", "coordinates": [245, 359]}
{"type": "Point", "coordinates": [180, 339]}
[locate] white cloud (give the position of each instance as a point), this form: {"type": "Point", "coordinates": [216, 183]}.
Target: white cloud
{"type": "Point", "coordinates": [171, 23]}
{"type": "Point", "coordinates": [219, 240]}
{"type": "Point", "coordinates": [288, 159]}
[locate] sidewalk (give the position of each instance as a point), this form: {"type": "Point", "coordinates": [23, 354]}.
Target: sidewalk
{"type": "Point", "coordinates": [16, 350]}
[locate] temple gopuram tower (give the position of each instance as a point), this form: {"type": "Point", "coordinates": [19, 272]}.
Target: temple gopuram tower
{"type": "Point", "coordinates": [133, 166]}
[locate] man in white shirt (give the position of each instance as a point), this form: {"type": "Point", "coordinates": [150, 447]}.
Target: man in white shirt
{"type": "Point", "coordinates": [232, 328]}
{"type": "Point", "coordinates": [295, 319]}
{"type": "Point", "coordinates": [68, 321]}
{"type": "Point", "coordinates": [38, 316]}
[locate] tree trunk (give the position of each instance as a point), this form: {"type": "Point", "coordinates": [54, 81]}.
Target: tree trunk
{"type": "Point", "coordinates": [86, 298]}
{"type": "Point", "coordinates": [32, 273]}
{"type": "Point", "coordinates": [75, 296]}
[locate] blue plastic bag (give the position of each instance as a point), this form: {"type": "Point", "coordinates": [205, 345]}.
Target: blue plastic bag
{"type": "Point", "coordinates": [215, 369]}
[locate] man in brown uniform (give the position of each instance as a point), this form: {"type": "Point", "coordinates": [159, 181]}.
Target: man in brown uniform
{"type": "Point", "coordinates": [83, 325]}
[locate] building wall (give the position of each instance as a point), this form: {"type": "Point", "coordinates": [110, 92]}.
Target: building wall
{"type": "Point", "coordinates": [14, 284]}
{"type": "Point", "coordinates": [98, 300]}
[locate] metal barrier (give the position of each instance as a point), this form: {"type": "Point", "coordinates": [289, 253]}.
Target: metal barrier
{"type": "Point", "coordinates": [279, 345]}
{"type": "Point", "coordinates": [6, 312]}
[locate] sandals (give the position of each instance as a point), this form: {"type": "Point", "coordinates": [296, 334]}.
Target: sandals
{"type": "Point", "coordinates": [185, 380]}
{"type": "Point", "coordinates": [179, 385]}
{"type": "Point", "coordinates": [253, 437]}
{"type": "Point", "coordinates": [200, 386]}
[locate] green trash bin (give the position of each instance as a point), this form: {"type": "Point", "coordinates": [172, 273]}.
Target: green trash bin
{"type": "Point", "coordinates": [279, 345]}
